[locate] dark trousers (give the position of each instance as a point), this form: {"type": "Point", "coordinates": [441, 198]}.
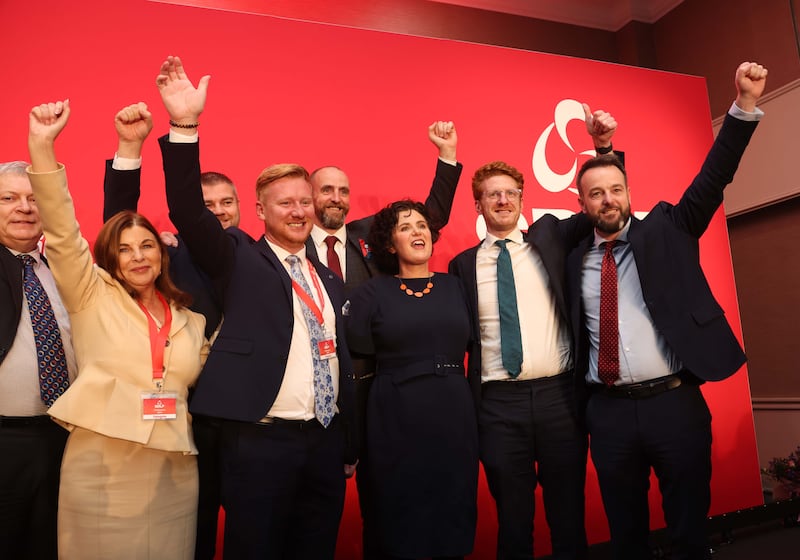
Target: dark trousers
{"type": "Point", "coordinates": [371, 550]}
{"type": "Point", "coordinates": [529, 436]}
{"type": "Point", "coordinates": [29, 477]}
{"type": "Point", "coordinates": [206, 436]}
{"type": "Point", "coordinates": [283, 490]}
{"type": "Point", "coordinates": [670, 433]}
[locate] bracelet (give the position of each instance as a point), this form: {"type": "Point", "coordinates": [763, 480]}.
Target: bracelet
{"type": "Point", "coordinates": [600, 151]}
{"type": "Point", "coordinates": [178, 125]}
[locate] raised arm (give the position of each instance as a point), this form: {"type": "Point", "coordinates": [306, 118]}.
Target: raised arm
{"type": "Point", "coordinates": [448, 171]}
{"type": "Point", "coordinates": [210, 247]}
{"type": "Point", "coordinates": [68, 252]}
{"type": "Point", "coordinates": [45, 123]}
{"type": "Point", "coordinates": [704, 195]}
{"type": "Point", "coordinates": [122, 186]}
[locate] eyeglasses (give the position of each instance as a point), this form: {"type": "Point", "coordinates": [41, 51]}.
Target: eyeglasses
{"type": "Point", "coordinates": [511, 194]}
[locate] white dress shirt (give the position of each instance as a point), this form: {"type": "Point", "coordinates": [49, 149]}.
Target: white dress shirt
{"type": "Point", "coordinates": [295, 400]}
{"type": "Point", "coordinates": [545, 339]}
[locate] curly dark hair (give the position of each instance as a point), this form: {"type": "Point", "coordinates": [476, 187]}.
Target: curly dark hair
{"type": "Point", "coordinates": [380, 233]}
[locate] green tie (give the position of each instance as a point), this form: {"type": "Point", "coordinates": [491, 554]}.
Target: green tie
{"type": "Point", "coordinates": [510, 337]}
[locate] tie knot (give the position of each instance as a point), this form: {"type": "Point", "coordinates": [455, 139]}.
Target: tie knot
{"type": "Point", "coordinates": [609, 245]}
{"type": "Point", "coordinates": [27, 260]}
{"type": "Point", "coordinates": [502, 244]}
{"type": "Point", "coordinates": [330, 241]}
{"type": "Point", "coordinates": [293, 259]}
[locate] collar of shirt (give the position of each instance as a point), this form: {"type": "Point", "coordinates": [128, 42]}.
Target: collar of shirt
{"type": "Point", "coordinates": [622, 237]}
{"type": "Point", "coordinates": [515, 236]}
{"type": "Point", "coordinates": [318, 235]}
{"type": "Point", "coordinates": [34, 254]}
{"type": "Point", "coordinates": [282, 253]}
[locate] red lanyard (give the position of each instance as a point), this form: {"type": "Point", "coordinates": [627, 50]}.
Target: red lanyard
{"type": "Point", "coordinates": [308, 300]}
{"type": "Point", "coordinates": [158, 337]}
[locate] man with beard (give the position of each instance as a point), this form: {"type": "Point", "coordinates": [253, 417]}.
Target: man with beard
{"type": "Point", "coordinates": [343, 248]}
{"type": "Point", "coordinates": [529, 426]}
{"type": "Point", "coordinates": [649, 332]}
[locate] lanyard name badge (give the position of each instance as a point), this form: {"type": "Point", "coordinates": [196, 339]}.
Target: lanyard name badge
{"type": "Point", "coordinates": [159, 404]}
{"type": "Point", "coordinates": [326, 346]}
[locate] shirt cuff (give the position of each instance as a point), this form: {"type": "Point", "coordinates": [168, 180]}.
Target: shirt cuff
{"type": "Point", "coordinates": [742, 115]}
{"type": "Point", "coordinates": [126, 164]}
{"type": "Point", "coordinates": [448, 161]}
{"type": "Point", "coordinates": [177, 138]}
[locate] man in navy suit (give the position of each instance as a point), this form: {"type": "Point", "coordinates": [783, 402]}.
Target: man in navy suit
{"type": "Point", "coordinates": [285, 418]}
{"type": "Point", "coordinates": [648, 332]}
{"type": "Point", "coordinates": [528, 420]}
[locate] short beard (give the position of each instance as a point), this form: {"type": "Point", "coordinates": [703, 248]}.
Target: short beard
{"type": "Point", "coordinates": [331, 222]}
{"type": "Point", "coordinates": [612, 227]}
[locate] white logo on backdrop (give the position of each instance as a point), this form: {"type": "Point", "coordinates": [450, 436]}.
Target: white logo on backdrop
{"type": "Point", "coordinates": [567, 110]}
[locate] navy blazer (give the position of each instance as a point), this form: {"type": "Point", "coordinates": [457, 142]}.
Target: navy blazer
{"type": "Point", "coordinates": [121, 191]}
{"type": "Point", "coordinates": [675, 290]}
{"type": "Point", "coordinates": [360, 267]}
{"type": "Point", "coordinates": [552, 239]}
{"type": "Point", "coordinates": [245, 368]}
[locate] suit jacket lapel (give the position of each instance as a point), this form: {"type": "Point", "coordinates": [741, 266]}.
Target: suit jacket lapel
{"type": "Point", "coordinates": [272, 260]}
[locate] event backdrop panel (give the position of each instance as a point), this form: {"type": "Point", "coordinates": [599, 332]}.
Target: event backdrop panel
{"type": "Point", "coordinates": [285, 90]}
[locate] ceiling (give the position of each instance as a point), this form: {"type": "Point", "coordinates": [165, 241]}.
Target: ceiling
{"type": "Point", "coordinates": [610, 15]}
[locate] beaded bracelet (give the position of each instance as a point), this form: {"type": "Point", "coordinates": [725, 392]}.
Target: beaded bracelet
{"type": "Point", "coordinates": [178, 125]}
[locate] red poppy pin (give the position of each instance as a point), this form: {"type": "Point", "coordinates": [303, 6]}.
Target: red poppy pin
{"type": "Point", "coordinates": [365, 249]}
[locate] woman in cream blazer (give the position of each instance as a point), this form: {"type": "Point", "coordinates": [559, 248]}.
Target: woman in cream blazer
{"type": "Point", "coordinates": [128, 479]}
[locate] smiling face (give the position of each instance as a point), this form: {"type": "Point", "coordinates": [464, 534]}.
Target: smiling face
{"type": "Point", "coordinates": [500, 204]}
{"type": "Point", "coordinates": [411, 239]}
{"type": "Point", "coordinates": [221, 199]}
{"type": "Point", "coordinates": [20, 227]}
{"type": "Point", "coordinates": [331, 189]}
{"type": "Point", "coordinates": [605, 198]}
{"type": "Point", "coordinates": [139, 258]}
{"type": "Point", "coordinates": [287, 210]}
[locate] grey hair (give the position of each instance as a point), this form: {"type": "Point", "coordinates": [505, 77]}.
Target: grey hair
{"type": "Point", "coordinates": [14, 168]}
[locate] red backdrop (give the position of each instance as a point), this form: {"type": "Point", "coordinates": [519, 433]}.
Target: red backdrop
{"type": "Point", "coordinates": [287, 90]}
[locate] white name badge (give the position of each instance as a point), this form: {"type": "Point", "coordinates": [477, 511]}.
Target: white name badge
{"type": "Point", "coordinates": [160, 406]}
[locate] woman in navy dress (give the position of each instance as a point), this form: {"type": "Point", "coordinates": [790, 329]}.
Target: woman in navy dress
{"type": "Point", "coordinates": [421, 456]}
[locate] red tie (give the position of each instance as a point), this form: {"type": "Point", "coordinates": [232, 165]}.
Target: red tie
{"type": "Point", "coordinates": [333, 258]}
{"type": "Point", "coordinates": [608, 355]}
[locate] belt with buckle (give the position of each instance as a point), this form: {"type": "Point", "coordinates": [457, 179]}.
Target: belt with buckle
{"type": "Point", "coordinates": [24, 421]}
{"type": "Point", "coordinates": [293, 424]}
{"type": "Point", "coordinates": [641, 390]}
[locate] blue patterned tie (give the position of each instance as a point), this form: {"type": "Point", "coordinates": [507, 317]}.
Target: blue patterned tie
{"type": "Point", "coordinates": [323, 385]}
{"type": "Point", "coordinates": [510, 337]}
{"type": "Point", "coordinates": [53, 373]}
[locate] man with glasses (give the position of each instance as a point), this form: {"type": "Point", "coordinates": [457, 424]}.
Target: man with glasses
{"type": "Point", "coordinates": [522, 376]}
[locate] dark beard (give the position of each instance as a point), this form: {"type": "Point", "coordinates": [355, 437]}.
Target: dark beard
{"type": "Point", "coordinates": [613, 227]}
{"type": "Point", "coordinates": [330, 222]}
